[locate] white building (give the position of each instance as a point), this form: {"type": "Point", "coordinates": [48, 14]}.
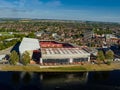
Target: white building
{"type": "Point", "coordinates": [39, 34]}
{"type": "Point", "coordinates": [108, 36]}
{"type": "Point", "coordinates": [29, 44]}
{"type": "Point", "coordinates": [54, 34]}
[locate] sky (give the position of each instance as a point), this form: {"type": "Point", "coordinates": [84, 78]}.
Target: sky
{"type": "Point", "coordinates": [90, 10]}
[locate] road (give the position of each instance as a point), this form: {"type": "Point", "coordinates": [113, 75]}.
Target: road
{"type": "Point", "coordinates": [6, 51]}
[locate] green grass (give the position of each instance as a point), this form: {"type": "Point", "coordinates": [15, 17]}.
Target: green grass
{"type": "Point", "coordinates": [80, 68]}
{"type": "Point", "coordinates": [68, 68]}
{"type": "Point", "coordinates": [6, 34]}
{"type": "Point", "coordinates": [38, 69]}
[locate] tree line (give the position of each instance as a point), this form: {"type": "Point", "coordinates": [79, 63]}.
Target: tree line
{"type": "Point", "coordinates": [106, 57]}
{"type": "Point", "coordinates": [14, 58]}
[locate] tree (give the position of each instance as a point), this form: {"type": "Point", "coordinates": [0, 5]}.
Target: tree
{"type": "Point", "coordinates": [25, 58]}
{"type": "Point", "coordinates": [100, 56]}
{"type": "Point", "coordinates": [14, 57]}
{"type": "Point", "coordinates": [31, 35]}
{"type": "Point", "coordinates": [109, 55]}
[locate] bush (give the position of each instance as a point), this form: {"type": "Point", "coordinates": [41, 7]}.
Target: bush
{"type": "Point", "coordinates": [108, 63]}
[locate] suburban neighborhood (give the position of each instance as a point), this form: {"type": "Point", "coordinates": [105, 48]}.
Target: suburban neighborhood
{"type": "Point", "coordinates": [58, 43]}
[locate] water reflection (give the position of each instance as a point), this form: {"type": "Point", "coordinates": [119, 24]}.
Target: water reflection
{"type": "Point", "coordinates": [57, 78]}
{"type": "Point", "coordinates": [60, 81]}
{"type": "Point", "coordinates": [27, 78]}
{"type": "Point", "coordinates": [101, 75]}
{"type": "Point", "coordinates": [15, 78]}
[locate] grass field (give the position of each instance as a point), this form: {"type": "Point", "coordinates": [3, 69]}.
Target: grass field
{"type": "Point", "coordinates": [6, 34]}
{"type": "Point", "coordinates": [78, 68]}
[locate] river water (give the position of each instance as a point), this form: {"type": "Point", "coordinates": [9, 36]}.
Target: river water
{"type": "Point", "coordinates": [107, 80]}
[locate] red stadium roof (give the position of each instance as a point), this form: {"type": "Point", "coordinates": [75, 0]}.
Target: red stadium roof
{"type": "Point", "coordinates": [53, 44]}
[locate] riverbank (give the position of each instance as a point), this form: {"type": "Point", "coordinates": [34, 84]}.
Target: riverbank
{"type": "Point", "coordinates": [69, 68]}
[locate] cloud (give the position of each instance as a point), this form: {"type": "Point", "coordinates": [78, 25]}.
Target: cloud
{"type": "Point", "coordinates": [54, 3]}
{"type": "Point", "coordinates": [51, 9]}
{"type": "Point", "coordinates": [59, 14]}
{"type": "Point", "coordinates": [4, 3]}
{"type": "Point", "coordinates": [27, 8]}
{"type": "Point", "coordinates": [18, 5]}
{"type": "Point", "coordinates": [29, 3]}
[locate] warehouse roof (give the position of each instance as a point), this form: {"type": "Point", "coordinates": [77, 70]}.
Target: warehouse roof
{"type": "Point", "coordinates": [29, 44]}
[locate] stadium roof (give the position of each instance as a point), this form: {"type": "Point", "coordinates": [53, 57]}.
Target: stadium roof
{"type": "Point", "coordinates": [29, 44]}
{"type": "Point", "coordinates": [59, 53]}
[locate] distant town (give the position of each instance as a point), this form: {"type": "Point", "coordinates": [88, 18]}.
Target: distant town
{"type": "Point", "coordinates": [58, 42]}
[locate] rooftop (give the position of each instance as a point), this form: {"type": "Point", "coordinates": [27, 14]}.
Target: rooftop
{"type": "Point", "coordinates": [63, 53]}
{"type": "Point", "coordinates": [29, 44]}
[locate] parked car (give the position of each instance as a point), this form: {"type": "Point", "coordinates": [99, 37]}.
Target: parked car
{"type": "Point", "coordinates": [117, 59]}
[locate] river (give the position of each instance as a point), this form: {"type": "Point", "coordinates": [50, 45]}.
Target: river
{"type": "Point", "coordinates": [106, 80]}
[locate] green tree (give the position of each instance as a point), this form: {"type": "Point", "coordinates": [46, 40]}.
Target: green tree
{"type": "Point", "coordinates": [109, 55]}
{"type": "Point", "coordinates": [25, 58]}
{"type": "Point", "coordinates": [100, 56]}
{"type": "Point", "coordinates": [31, 35]}
{"type": "Point", "coordinates": [14, 58]}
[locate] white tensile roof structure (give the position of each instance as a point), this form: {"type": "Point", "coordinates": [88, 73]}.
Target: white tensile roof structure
{"type": "Point", "coordinates": [29, 44]}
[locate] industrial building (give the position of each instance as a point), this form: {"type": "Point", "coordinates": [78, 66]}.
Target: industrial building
{"type": "Point", "coordinates": [52, 52]}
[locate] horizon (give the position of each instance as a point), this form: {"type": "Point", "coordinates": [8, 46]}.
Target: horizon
{"type": "Point", "coordinates": [83, 10]}
{"type": "Point", "coordinates": [7, 18]}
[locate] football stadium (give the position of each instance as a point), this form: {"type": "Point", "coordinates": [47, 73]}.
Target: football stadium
{"type": "Point", "coordinates": [53, 52]}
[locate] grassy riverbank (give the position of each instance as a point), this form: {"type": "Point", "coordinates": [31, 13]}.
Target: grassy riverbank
{"type": "Point", "coordinates": [77, 68]}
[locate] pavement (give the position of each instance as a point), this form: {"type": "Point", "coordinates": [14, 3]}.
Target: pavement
{"type": "Point", "coordinates": [6, 51]}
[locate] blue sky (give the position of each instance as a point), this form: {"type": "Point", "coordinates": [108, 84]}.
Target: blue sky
{"type": "Point", "coordinates": [92, 10]}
